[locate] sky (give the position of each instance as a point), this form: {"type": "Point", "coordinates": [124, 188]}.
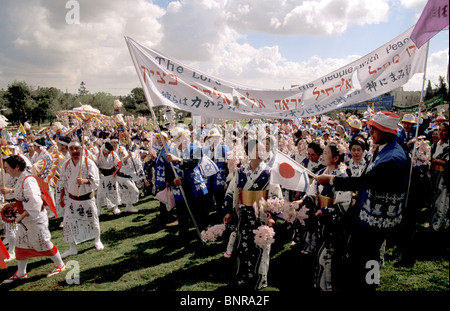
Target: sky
{"type": "Point", "coordinates": [270, 44]}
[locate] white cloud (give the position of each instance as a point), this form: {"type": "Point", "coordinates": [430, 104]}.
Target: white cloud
{"type": "Point", "coordinates": [195, 30]}
{"type": "Point", "coordinates": [39, 47]}
{"type": "Point", "coordinates": [42, 49]}
{"type": "Point", "coordinates": [324, 17]}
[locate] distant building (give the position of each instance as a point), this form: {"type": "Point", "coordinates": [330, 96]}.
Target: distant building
{"type": "Point", "coordinates": [405, 98]}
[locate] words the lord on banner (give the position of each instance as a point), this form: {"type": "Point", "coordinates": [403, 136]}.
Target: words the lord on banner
{"type": "Point", "coordinates": [167, 81]}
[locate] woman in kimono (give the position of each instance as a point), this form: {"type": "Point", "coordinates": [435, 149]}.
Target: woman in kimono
{"type": "Point", "coordinates": [33, 236]}
{"type": "Point", "coordinates": [329, 235]}
{"type": "Point", "coordinates": [357, 162]}
{"type": "Point", "coordinates": [249, 185]}
{"type": "Point", "coordinates": [440, 154]}
{"type": "Point", "coordinates": [301, 236]}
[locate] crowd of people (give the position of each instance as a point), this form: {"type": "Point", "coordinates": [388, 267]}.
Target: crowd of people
{"type": "Point", "coordinates": [371, 177]}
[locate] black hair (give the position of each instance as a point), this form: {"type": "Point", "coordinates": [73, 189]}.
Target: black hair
{"type": "Point", "coordinates": [316, 147]}
{"type": "Point", "coordinates": [64, 139]}
{"type": "Point", "coordinates": [360, 142]}
{"type": "Point", "coordinates": [16, 160]}
{"type": "Point", "coordinates": [109, 146]}
{"type": "Point", "coordinates": [335, 152]}
{"type": "Point", "coordinates": [298, 134]}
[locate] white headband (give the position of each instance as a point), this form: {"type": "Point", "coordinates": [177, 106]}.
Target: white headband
{"type": "Point", "coordinates": [74, 143]}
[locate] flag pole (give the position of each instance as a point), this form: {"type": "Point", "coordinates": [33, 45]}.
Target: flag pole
{"type": "Point", "coordinates": [164, 145]}
{"type": "Point", "coordinates": [310, 173]}
{"type": "Point", "coordinates": [417, 125]}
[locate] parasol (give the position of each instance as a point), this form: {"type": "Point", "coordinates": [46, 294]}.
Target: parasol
{"type": "Point", "coordinates": [86, 114]}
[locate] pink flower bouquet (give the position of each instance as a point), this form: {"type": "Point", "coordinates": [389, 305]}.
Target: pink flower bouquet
{"type": "Point", "coordinates": [264, 236]}
{"type": "Point", "coordinates": [212, 233]}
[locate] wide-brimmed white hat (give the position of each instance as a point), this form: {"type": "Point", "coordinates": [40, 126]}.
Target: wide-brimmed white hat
{"type": "Point", "coordinates": [409, 118]}
{"type": "Point", "coordinates": [385, 121]}
{"type": "Point", "coordinates": [179, 132]}
{"type": "Point", "coordinates": [214, 133]}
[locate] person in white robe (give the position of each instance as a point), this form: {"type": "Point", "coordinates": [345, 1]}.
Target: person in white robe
{"type": "Point", "coordinates": [108, 163]}
{"type": "Point", "coordinates": [81, 222]}
{"type": "Point", "coordinates": [33, 235]}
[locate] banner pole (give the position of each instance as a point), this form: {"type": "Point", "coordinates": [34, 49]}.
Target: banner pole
{"type": "Point", "coordinates": [417, 125]}
{"type": "Point", "coordinates": [165, 147]}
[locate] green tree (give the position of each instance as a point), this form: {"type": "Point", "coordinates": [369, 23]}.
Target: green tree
{"type": "Point", "coordinates": [429, 93]}
{"type": "Point", "coordinates": [136, 103]}
{"type": "Point", "coordinates": [46, 99]}
{"type": "Point", "coordinates": [441, 88]}
{"type": "Point", "coordinates": [103, 102]}
{"type": "Point", "coordinates": [19, 101]}
{"type": "Point", "coordinates": [82, 90]}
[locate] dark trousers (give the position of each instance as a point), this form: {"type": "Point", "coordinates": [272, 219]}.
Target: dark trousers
{"type": "Point", "coordinates": [198, 208]}
{"type": "Point", "coordinates": [165, 216]}
{"type": "Point", "coordinates": [365, 258]}
{"type": "Point", "coordinates": [215, 199]}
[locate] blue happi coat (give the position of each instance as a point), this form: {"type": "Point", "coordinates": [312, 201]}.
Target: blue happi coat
{"type": "Point", "coordinates": [382, 208]}
{"type": "Point", "coordinates": [160, 164]}
{"type": "Point", "coordinates": [190, 173]}
{"type": "Point", "coordinates": [220, 155]}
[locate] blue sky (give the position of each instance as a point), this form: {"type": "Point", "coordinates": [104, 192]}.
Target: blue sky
{"type": "Point", "coordinates": [262, 43]}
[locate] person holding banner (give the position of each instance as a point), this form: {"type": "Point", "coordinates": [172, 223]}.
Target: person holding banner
{"type": "Point", "coordinates": [248, 186]}
{"type": "Point", "coordinates": [381, 194]}
{"type": "Point", "coordinates": [419, 184]}
{"type": "Point", "coordinates": [33, 235]}
{"type": "Point", "coordinates": [163, 174]}
{"type": "Point", "coordinates": [407, 135]}
{"type": "Point", "coordinates": [185, 159]}
{"type": "Point", "coordinates": [216, 183]}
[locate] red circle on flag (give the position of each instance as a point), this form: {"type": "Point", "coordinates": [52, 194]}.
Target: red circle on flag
{"type": "Point", "coordinates": [286, 170]}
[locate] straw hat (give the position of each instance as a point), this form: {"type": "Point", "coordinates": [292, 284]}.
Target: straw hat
{"type": "Point", "coordinates": [356, 123]}
{"type": "Point", "coordinates": [163, 134]}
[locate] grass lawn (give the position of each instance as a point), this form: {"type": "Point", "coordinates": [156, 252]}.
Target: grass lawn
{"type": "Point", "coordinates": [142, 255]}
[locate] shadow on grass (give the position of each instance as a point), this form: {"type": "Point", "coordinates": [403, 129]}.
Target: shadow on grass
{"type": "Point", "coordinates": [170, 248]}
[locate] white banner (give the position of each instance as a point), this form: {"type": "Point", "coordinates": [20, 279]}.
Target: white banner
{"type": "Point", "coordinates": [167, 81]}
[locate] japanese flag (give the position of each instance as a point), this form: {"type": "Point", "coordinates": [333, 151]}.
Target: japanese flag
{"type": "Point", "coordinates": [289, 174]}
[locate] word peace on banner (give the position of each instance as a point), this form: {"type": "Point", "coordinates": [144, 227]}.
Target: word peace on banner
{"type": "Point", "coordinates": [167, 81]}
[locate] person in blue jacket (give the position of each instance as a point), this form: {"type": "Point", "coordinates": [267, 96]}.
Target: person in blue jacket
{"type": "Point", "coordinates": [381, 194]}
{"type": "Point", "coordinates": [192, 206]}
{"type": "Point", "coordinates": [216, 183]}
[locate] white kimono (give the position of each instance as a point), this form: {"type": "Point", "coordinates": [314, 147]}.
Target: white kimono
{"type": "Point", "coordinates": [81, 222]}
{"type": "Point", "coordinates": [108, 190]}
{"type": "Point", "coordinates": [33, 232]}
{"type": "Point", "coordinates": [129, 193]}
